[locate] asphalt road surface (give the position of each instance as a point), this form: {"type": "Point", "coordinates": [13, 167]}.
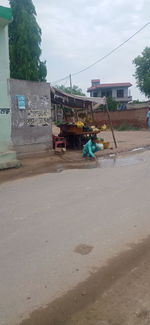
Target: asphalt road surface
{"type": "Point", "coordinates": [56, 228]}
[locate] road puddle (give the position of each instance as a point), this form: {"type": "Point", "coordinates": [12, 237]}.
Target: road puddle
{"type": "Point", "coordinates": [109, 162]}
{"type": "Point", "coordinates": [119, 161]}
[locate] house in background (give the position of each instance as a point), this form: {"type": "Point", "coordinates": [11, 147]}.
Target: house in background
{"type": "Point", "coordinates": [119, 91]}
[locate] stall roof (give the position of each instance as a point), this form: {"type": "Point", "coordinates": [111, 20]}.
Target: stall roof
{"type": "Point", "coordinates": [75, 101]}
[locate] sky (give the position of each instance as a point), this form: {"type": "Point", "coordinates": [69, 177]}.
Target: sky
{"type": "Point", "coordinates": [76, 33]}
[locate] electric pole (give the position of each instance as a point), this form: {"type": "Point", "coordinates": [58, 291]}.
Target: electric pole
{"type": "Point", "coordinates": [70, 82]}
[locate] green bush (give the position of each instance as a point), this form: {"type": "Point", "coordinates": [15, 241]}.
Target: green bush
{"type": "Point", "coordinates": [112, 104]}
{"type": "Point", "coordinates": [126, 127]}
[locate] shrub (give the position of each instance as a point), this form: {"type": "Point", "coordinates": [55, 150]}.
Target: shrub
{"type": "Point", "coordinates": [126, 127]}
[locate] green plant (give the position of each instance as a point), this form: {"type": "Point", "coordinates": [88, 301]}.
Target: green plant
{"type": "Point", "coordinates": [112, 104]}
{"type": "Point", "coordinates": [67, 109]}
{"type": "Point", "coordinates": [58, 123]}
{"type": "Point", "coordinates": [142, 71]}
{"type": "Point", "coordinates": [126, 127]}
{"type": "Point", "coordinates": [75, 90]}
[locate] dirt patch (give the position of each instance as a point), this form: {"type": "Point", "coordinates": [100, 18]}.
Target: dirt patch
{"type": "Point", "coordinates": [117, 294]}
{"type": "Point", "coordinates": [144, 314]}
{"type": "Point", "coordinates": [83, 249]}
{"type": "Point", "coordinates": [48, 163]}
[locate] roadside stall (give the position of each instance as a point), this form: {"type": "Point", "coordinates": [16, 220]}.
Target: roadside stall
{"type": "Point", "coordinates": [78, 124]}
{"type": "Point", "coordinates": [77, 133]}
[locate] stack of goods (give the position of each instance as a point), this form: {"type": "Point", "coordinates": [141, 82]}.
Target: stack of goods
{"type": "Point", "coordinates": [87, 128]}
{"type": "Point", "coordinates": [104, 127]}
{"type": "Point", "coordinates": [76, 127]}
{"type": "Point", "coordinates": [105, 144]}
{"type": "Point", "coordinates": [100, 146]}
{"type": "Point", "coordinates": [79, 124]}
{"type": "Point", "coordinates": [94, 129]}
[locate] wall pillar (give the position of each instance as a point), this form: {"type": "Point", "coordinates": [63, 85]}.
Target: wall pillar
{"type": "Point", "coordinates": [7, 154]}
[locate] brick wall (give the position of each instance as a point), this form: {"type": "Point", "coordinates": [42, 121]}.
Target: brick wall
{"type": "Point", "coordinates": [137, 106]}
{"type": "Point", "coordinates": [135, 117]}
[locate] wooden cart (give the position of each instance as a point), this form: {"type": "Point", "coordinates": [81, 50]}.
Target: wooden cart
{"type": "Point", "coordinates": [75, 137]}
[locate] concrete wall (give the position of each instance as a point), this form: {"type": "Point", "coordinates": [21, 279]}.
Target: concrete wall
{"type": "Point", "coordinates": [141, 105]}
{"type": "Point", "coordinates": [135, 117]}
{"type": "Point", "coordinates": [31, 127]}
{"type": "Point", "coordinates": [7, 154]}
{"type": "Point", "coordinates": [5, 117]}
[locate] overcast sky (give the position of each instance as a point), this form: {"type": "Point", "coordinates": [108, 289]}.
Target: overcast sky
{"type": "Point", "coordinates": [75, 33]}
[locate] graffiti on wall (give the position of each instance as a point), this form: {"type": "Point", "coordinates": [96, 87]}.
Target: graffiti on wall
{"type": "Point", "coordinates": [34, 110]}
{"type": "Point", "coordinates": [38, 101]}
{"type": "Point", "coordinates": [4, 111]}
{"type": "Point", "coordinates": [38, 118]}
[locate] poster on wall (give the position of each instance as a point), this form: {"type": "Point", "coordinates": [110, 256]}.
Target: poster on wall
{"type": "Point", "coordinates": [21, 102]}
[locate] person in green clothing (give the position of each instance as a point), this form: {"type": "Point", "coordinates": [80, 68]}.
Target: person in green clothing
{"type": "Point", "coordinates": [90, 148]}
{"type": "Point", "coordinates": [148, 118]}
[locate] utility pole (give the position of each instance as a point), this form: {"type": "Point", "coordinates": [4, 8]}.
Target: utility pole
{"type": "Point", "coordinates": [110, 123]}
{"type": "Point", "coordinates": [70, 82]}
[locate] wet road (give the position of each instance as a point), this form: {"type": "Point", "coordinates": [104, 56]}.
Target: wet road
{"type": "Point", "coordinates": [56, 228]}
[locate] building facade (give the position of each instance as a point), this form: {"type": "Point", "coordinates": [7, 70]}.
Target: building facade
{"type": "Point", "coordinates": [119, 91]}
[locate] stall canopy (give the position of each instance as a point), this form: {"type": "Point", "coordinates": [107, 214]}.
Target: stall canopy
{"type": "Point", "coordinates": [74, 101]}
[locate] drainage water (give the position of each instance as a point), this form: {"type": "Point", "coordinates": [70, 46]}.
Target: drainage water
{"type": "Point", "coordinates": [112, 161]}
{"type": "Point", "coordinates": [119, 162]}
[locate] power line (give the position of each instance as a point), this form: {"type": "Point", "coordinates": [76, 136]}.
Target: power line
{"type": "Point", "coordinates": [105, 56]}
{"type": "Point", "coordinates": [112, 51]}
{"type": "Point", "coordinates": [65, 82]}
{"type": "Point", "coordinates": [59, 80]}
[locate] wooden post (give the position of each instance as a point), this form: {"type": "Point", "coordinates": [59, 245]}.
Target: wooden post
{"type": "Point", "coordinates": [111, 126]}
{"type": "Point", "coordinates": [76, 115]}
{"type": "Point", "coordinates": [92, 113]}
{"type": "Point", "coordinates": [64, 115]}
{"type": "Point", "coordinates": [86, 119]}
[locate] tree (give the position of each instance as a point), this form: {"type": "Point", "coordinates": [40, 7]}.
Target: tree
{"type": "Point", "coordinates": [25, 42]}
{"type": "Point", "coordinates": [142, 72]}
{"type": "Point", "coordinates": [75, 90]}
{"type": "Point", "coordinates": [112, 104]}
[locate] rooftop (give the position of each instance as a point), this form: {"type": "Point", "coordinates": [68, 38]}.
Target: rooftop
{"type": "Point", "coordinates": [110, 85]}
{"type": "Point", "coordinates": [75, 101]}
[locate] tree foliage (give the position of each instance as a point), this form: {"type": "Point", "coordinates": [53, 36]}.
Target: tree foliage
{"type": "Point", "coordinates": [142, 72]}
{"type": "Point", "coordinates": [112, 104]}
{"type": "Point", "coordinates": [25, 42]}
{"type": "Point", "coordinates": [75, 90]}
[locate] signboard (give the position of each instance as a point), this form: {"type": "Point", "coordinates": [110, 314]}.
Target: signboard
{"type": "Point", "coordinates": [21, 101]}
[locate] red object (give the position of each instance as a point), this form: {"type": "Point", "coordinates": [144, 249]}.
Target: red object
{"type": "Point", "coordinates": [111, 85]}
{"type": "Point", "coordinates": [59, 143]}
{"type": "Point", "coordinates": [95, 80]}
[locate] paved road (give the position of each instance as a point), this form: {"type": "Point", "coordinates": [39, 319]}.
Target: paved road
{"type": "Point", "coordinates": [43, 219]}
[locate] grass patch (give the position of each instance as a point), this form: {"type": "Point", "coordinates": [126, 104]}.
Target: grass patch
{"type": "Point", "coordinates": [126, 127]}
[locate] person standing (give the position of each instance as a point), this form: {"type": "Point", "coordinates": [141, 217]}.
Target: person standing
{"type": "Point", "coordinates": [148, 118]}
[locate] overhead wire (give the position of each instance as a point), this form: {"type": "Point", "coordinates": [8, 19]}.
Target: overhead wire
{"type": "Point", "coordinates": [105, 56]}
{"type": "Point", "coordinates": [112, 51]}
{"type": "Point", "coordinates": [60, 80]}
